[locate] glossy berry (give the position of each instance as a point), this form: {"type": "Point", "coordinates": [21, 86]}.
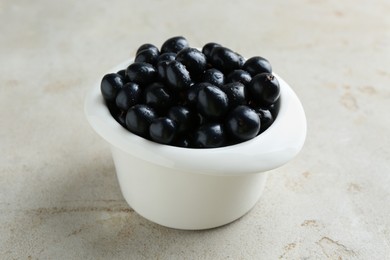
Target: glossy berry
{"type": "Point", "coordinates": [159, 97]}
{"type": "Point", "coordinates": [214, 76]}
{"type": "Point", "coordinates": [257, 65]}
{"type": "Point", "coordinates": [139, 118]}
{"type": "Point", "coordinates": [184, 117]}
{"type": "Point", "coordinates": [110, 85]}
{"type": "Point", "coordinates": [168, 56]}
{"type": "Point", "coordinates": [193, 91]}
{"type": "Point", "coordinates": [122, 73]}
{"type": "Point", "coordinates": [128, 96]}
{"type": "Point", "coordinates": [148, 55]}
{"type": "Point", "coordinates": [242, 123]}
{"type": "Point", "coordinates": [117, 114]}
{"type": "Point", "coordinates": [212, 102]}
{"type": "Point", "coordinates": [266, 118]}
{"type": "Point", "coordinates": [183, 141]}
{"type": "Point", "coordinates": [162, 130]}
{"type": "Point", "coordinates": [194, 61]}
{"type": "Point", "coordinates": [147, 46]}
{"type": "Point", "coordinates": [177, 76]}
{"type": "Point", "coordinates": [241, 76]}
{"type": "Point", "coordinates": [225, 60]}
{"type": "Point", "coordinates": [264, 89]}
{"type": "Point", "coordinates": [236, 93]}
{"type": "Point", "coordinates": [141, 73]}
{"type": "Point", "coordinates": [208, 48]}
{"type": "Point", "coordinates": [174, 44]}
{"type": "Point", "coordinates": [210, 135]}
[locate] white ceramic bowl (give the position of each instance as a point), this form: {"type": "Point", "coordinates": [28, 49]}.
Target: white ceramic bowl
{"type": "Point", "coordinates": [188, 188]}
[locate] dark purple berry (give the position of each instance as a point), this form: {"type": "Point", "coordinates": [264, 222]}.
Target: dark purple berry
{"type": "Point", "coordinates": [122, 73]}
{"type": "Point", "coordinates": [141, 73]}
{"type": "Point", "coordinates": [193, 91]}
{"type": "Point", "coordinates": [184, 118]}
{"type": "Point", "coordinates": [194, 60]}
{"type": "Point", "coordinates": [110, 85]}
{"type": "Point", "coordinates": [209, 136]}
{"type": "Point", "coordinates": [225, 60]}
{"type": "Point", "coordinates": [212, 102]}
{"type": "Point", "coordinates": [162, 130]}
{"type": "Point", "coordinates": [257, 65]}
{"type": "Point", "coordinates": [208, 48]}
{"type": "Point", "coordinates": [139, 118]}
{"type": "Point", "coordinates": [177, 75]}
{"type": "Point", "coordinates": [239, 76]}
{"type": "Point", "coordinates": [147, 46]}
{"type": "Point", "coordinates": [266, 118]}
{"type": "Point", "coordinates": [128, 96]}
{"type": "Point", "coordinates": [162, 70]}
{"type": "Point", "coordinates": [148, 55]}
{"type": "Point", "coordinates": [159, 97]}
{"type": "Point", "coordinates": [214, 76]}
{"type": "Point", "coordinates": [264, 89]}
{"type": "Point", "coordinates": [168, 56]}
{"type": "Point", "coordinates": [242, 123]}
{"type": "Point", "coordinates": [183, 141]}
{"type": "Point", "coordinates": [174, 44]}
{"type": "Point", "coordinates": [236, 93]}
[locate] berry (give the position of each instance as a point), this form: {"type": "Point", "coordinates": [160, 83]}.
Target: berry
{"type": "Point", "coordinates": [110, 85]}
{"type": "Point", "coordinates": [159, 97]}
{"type": "Point", "coordinates": [122, 73]}
{"type": "Point", "coordinates": [266, 118]}
{"type": "Point", "coordinates": [257, 65]}
{"type": "Point", "coordinates": [148, 55]}
{"type": "Point", "coordinates": [264, 89]}
{"type": "Point", "coordinates": [141, 73]}
{"type": "Point", "coordinates": [162, 130]}
{"type": "Point", "coordinates": [239, 76]}
{"type": "Point", "coordinates": [174, 44]}
{"type": "Point", "coordinates": [209, 136]}
{"type": "Point", "coordinates": [177, 75]}
{"type": "Point", "coordinates": [214, 76]}
{"type": "Point", "coordinates": [139, 118]}
{"type": "Point", "coordinates": [225, 59]}
{"type": "Point", "coordinates": [208, 48]}
{"type": "Point", "coordinates": [236, 94]}
{"type": "Point", "coordinates": [183, 117]}
{"type": "Point", "coordinates": [128, 96]}
{"type": "Point", "coordinates": [147, 46]}
{"type": "Point", "coordinates": [193, 91]}
{"type": "Point", "coordinates": [194, 61]}
{"type": "Point", "coordinates": [168, 56]}
{"type": "Point", "coordinates": [212, 102]}
{"type": "Point", "coordinates": [242, 123]}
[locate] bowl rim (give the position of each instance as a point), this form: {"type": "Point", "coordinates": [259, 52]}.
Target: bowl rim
{"type": "Point", "coordinates": [274, 147]}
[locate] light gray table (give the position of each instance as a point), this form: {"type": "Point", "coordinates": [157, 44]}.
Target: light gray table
{"type": "Point", "coordinates": [59, 197]}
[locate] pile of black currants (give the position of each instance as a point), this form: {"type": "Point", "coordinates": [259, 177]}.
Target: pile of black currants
{"type": "Point", "coordinates": [181, 96]}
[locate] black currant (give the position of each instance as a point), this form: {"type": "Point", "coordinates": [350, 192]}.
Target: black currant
{"type": "Point", "coordinates": [242, 123]}
{"type": "Point", "coordinates": [162, 130]}
{"type": "Point", "coordinates": [128, 96]}
{"type": "Point", "coordinates": [194, 61]}
{"type": "Point", "coordinates": [139, 118]}
{"type": "Point", "coordinates": [214, 76]}
{"type": "Point", "coordinates": [257, 65]}
{"type": "Point", "coordinates": [174, 44]}
{"type": "Point", "coordinates": [264, 89]}
{"type": "Point", "coordinates": [141, 73]}
{"type": "Point", "coordinates": [210, 135]}
{"type": "Point", "coordinates": [212, 102]}
{"type": "Point", "coordinates": [110, 85]}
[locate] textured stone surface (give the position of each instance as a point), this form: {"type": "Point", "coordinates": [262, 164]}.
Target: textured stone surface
{"type": "Point", "coordinates": [59, 197]}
